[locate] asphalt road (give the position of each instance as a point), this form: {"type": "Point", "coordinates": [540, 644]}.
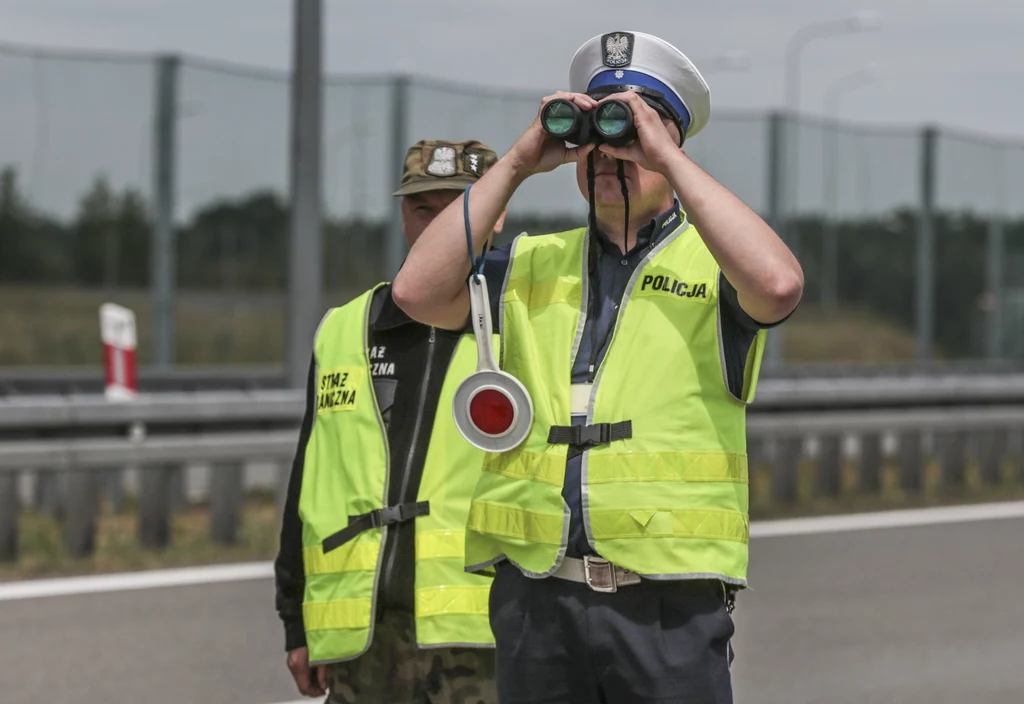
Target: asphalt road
{"type": "Point", "coordinates": [928, 615]}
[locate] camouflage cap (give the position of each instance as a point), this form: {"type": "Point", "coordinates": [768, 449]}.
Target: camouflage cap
{"type": "Point", "coordinates": [433, 164]}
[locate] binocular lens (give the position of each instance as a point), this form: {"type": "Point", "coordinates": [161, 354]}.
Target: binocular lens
{"type": "Point", "coordinates": [560, 117]}
{"type": "Point", "coordinates": [613, 118]}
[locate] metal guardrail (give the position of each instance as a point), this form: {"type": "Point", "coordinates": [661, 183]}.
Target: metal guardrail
{"type": "Point", "coordinates": [885, 392]}
{"type": "Point", "coordinates": [955, 423]}
{"type": "Point", "coordinates": [887, 421]}
{"type": "Point", "coordinates": [285, 406]}
{"type": "Point", "coordinates": [29, 381]}
{"type": "Point", "coordinates": [26, 381]}
{"type": "Point", "coordinates": [201, 408]}
{"type": "Point", "coordinates": [97, 453]}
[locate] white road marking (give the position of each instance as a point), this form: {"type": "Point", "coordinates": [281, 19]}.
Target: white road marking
{"type": "Point", "coordinates": [887, 519]}
{"type": "Point", "coordinates": [150, 579]}
{"type": "Point", "coordinates": [816, 525]}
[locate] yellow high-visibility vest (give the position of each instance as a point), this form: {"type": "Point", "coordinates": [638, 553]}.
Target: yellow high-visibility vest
{"type": "Point", "coordinates": [669, 501]}
{"type": "Point", "coordinates": [346, 474]}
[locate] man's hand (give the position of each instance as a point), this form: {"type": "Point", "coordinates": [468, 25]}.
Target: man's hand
{"type": "Point", "coordinates": [298, 664]}
{"type": "Point", "coordinates": [657, 142]}
{"type": "Point", "coordinates": [537, 152]}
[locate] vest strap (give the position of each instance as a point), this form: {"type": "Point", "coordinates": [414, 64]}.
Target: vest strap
{"type": "Point", "coordinates": [375, 519]}
{"type": "Point", "coordinates": [590, 435]}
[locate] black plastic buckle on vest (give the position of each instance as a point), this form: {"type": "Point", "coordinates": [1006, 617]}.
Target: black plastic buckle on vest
{"type": "Point", "coordinates": [590, 435]}
{"type": "Point", "coordinates": [377, 518]}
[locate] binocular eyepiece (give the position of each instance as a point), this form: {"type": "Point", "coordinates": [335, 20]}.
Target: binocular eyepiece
{"type": "Point", "coordinates": [609, 123]}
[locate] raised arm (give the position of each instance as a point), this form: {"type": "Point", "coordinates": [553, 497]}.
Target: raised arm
{"type": "Point", "coordinates": [431, 287]}
{"type": "Point", "coordinates": [767, 277]}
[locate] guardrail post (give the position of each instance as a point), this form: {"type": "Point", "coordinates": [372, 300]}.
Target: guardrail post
{"type": "Point", "coordinates": [154, 506]}
{"type": "Point", "coordinates": [80, 515]}
{"type": "Point", "coordinates": [784, 475]}
{"type": "Point", "coordinates": [870, 463]}
{"type": "Point", "coordinates": [992, 448]}
{"type": "Point", "coordinates": [47, 492]}
{"type": "Point", "coordinates": [113, 486]}
{"type": "Point", "coordinates": [225, 501]}
{"type": "Point", "coordinates": [911, 464]}
{"type": "Point", "coordinates": [830, 466]}
{"type": "Point", "coordinates": [176, 488]}
{"type": "Point", "coordinates": [953, 451]}
{"type": "Point", "coordinates": [1020, 456]}
{"type": "Point", "coordinates": [9, 509]}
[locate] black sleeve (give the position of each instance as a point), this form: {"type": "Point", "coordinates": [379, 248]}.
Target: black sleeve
{"type": "Point", "coordinates": [288, 572]}
{"type": "Point", "coordinates": [731, 307]}
{"type": "Point", "coordinates": [738, 332]}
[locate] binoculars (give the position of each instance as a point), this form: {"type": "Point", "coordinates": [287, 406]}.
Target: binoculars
{"type": "Point", "coordinates": [610, 123]}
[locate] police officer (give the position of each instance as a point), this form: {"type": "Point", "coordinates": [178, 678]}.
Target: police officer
{"type": "Point", "coordinates": [620, 526]}
{"type": "Point", "coordinates": [371, 585]}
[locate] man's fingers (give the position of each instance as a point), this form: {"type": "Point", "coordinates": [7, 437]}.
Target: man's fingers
{"type": "Point", "coordinates": [321, 673]}
{"type": "Point", "coordinates": [301, 676]}
{"type": "Point", "coordinates": [578, 153]}
{"type": "Point", "coordinates": [616, 152]}
{"type": "Point", "coordinates": [641, 110]}
{"type": "Point", "coordinates": [582, 100]}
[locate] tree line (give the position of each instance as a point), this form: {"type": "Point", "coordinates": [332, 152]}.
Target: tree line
{"type": "Point", "coordinates": [241, 244]}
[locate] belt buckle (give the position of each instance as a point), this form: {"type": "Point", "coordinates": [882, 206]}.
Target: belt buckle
{"type": "Point", "coordinates": [601, 579]}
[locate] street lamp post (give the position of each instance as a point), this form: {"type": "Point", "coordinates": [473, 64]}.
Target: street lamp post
{"type": "Point", "coordinates": [830, 178]}
{"type": "Point", "coordinates": [862, 21]}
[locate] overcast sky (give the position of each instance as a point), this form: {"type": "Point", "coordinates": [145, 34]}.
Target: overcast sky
{"type": "Point", "coordinates": [952, 62]}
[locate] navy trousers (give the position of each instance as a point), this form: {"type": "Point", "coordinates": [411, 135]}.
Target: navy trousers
{"type": "Point", "coordinates": [559, 642]}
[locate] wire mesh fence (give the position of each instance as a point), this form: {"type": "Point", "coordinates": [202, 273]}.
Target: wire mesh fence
{"type": "Point", "coordinates": [887, 222]}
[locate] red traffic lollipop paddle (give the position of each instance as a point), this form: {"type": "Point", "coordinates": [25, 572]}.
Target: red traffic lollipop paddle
{"type": "Point", "coordinates": [492, 408]}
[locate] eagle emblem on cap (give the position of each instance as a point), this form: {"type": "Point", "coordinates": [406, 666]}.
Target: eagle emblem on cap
{"type": "Point", "coordinates": [442, 162]}
{"type": "Point", "coordinates": [617, 49]}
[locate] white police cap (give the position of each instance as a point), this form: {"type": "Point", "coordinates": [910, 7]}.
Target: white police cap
{"type": "Point", "coordinates": [635, 58]}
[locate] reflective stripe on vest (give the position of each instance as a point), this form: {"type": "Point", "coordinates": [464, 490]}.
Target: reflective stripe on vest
{"type": "Point", "coordinates": [670, 501]}
{"type": "Point", "coordinates": [346, 473]}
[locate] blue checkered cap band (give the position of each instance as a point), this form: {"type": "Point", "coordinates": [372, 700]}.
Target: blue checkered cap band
{"type": "Point", "coordinates": [636, 58]}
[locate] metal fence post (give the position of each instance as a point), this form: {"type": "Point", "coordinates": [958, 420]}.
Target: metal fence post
{"type": "Point", "coordinates": [995, 252]}
{"type": "Point", "coordinates": [776, 178]}
{"type": "Point", "coordinates": [306, 227]}
{"type": "Point", "coordinates": [829, 222]}
{"type": "Point", "coordinates": [395, 247]}
{"type": "Point", "coordinates": [163, 252]}
{"type": "Point", "coordinates": [925, 265]}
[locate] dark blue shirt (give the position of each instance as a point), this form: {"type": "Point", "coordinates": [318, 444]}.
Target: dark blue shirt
{"type": "Point", "coordinates": [609, 273]}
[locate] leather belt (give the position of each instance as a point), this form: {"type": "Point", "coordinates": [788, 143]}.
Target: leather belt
{"type": "Point", "coordinates": [596, 572]}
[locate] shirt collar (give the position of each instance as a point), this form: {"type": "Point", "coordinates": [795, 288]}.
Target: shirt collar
{"type": "Point", "coordinates": [649, 235]}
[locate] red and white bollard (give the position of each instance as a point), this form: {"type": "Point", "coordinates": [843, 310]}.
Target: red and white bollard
{"type": "Point", "coordinates": [117, 329]}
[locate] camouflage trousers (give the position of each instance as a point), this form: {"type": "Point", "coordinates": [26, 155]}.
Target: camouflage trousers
{"type": "Point", "coordinates": [395, 671]}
